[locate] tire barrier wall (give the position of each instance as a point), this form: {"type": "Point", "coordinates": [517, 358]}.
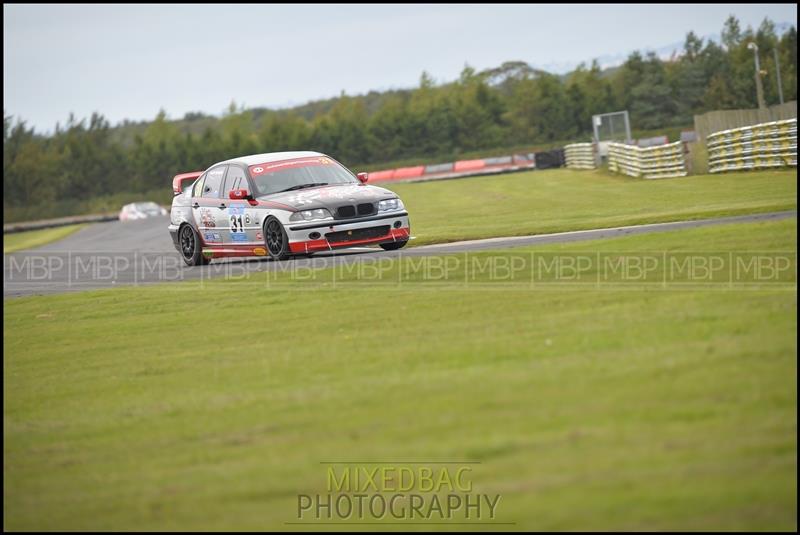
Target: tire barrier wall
{"type": "Point", "coordinates": [760, 146]}
{"type": "Point", "coordinates": [664, 161]}
{"type": "Point", "coordinates": [716, 121]}
{"type": "Point", "coordinates": [550, 159]}
{"type": "Point", "coordinates": [581, 156]}
{"type": "Point", "coordinates": [652, 141]}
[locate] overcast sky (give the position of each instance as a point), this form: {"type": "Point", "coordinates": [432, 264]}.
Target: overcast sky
{"type": "Point", "coordinates": [128, 61]}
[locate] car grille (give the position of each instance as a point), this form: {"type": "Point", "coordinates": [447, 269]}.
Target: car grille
{"type": "Point", "coordinates": [366, 208]}
{"type": "Point", "coordinates": [363, 209]}
{"type": "Point", "coordinates": [357, 234]}
{"type": "Point", "coordinates": [346, 211]}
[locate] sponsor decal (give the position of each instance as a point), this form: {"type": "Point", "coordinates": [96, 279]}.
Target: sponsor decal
{"type": "Point", "coordinates": [288, 164]}
{"type": "Point", "coordinates": [259, 251]}
{"type": "Point", "coordinates": [236, 210]}
{"type": "Point", "coordinates": [238, 236]}
{"type": "Point", "coordinates": [259, 236]}
{"type": "Point", "coordinates": [207, 218]}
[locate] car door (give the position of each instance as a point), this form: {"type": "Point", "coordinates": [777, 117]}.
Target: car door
{"type": "Point", "coordinates": [240, 216]}
{"type": "Point", "coordinates": [208, 206]}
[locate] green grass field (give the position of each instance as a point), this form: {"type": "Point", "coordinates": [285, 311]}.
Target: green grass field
{"type": "Point", "coordinates": [201, 406]}
{"type": "Point", "coordinates": [561, 199]}
{"type": "Point", "coordinates": [36, 238]}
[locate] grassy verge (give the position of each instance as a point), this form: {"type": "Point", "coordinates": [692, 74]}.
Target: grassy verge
{"type": "Point", "coordinates": [561, 200]}
{"type": "Point", "coordinates": [211, 405]}
{"type": "Point", "coordinates": [35, 238]}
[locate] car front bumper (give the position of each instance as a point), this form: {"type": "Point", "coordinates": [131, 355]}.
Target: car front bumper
{"type": "Point", "coordinates": [323, 236]}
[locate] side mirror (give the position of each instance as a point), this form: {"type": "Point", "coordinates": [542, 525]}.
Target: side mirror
{"type": "Point", "coordinates": [242, 195]}
{"type": "Point", "coordinates": [239, 194]}
{"type": "Point", "coordinates": [363, 177]}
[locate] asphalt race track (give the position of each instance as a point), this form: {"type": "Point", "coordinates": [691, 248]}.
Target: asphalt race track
{"type": "Point", "coordinates": [106, 255]}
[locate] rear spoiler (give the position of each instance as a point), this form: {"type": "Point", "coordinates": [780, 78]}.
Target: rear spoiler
{"type": "Point", "coordinates": [179, 180]}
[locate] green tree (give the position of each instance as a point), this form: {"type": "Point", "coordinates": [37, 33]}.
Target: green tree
{"type": "Point", "coordinates": [731, 33]}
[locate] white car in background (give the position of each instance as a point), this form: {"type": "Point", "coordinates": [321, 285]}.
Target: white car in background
{"type": "Point", "coordinates": [141, 210]}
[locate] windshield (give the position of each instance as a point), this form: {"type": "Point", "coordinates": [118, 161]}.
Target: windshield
{"type": "Point", "coordinates": [299, 173]}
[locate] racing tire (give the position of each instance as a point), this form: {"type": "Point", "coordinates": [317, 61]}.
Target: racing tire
{"type": "Point", "coordinates": [393, 245]}
{"type": "Point", "coordinates": [191, 250]}
{"type": "Point", "coordinates": [275, 239]}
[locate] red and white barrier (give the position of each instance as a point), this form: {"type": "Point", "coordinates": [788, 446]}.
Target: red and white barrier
{"type": "Point", "coordinates": [459, 169]}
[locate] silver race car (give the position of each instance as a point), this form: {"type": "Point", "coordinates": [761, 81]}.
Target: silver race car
{"type": "Point", "coordinates": [140, 210]}
{"type": "Point", "coordinates": [281, 204]}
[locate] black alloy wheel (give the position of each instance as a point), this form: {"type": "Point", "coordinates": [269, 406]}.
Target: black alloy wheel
{"type": "Point", "coordinates": [277, 241]}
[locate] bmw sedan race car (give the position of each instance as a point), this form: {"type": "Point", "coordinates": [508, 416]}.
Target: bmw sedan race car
{"type": "Point", "coordinates": [279, 205]}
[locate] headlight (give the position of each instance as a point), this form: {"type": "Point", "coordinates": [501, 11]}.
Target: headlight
{"type": "Point", "coordinates": [390, 205]}
{"type": "Point", "coordinates": [311, 215]}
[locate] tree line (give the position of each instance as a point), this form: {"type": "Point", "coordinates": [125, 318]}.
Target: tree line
{"type": "Point", "coordinates": [512, 105]}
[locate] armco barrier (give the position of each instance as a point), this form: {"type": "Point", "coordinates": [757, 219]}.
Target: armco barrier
{"type": "Point", "coordinates": [468, 165]}
{"type": "Point", "coordinates": [523, 159]}
{"type": "Point", "coordinates": [465, 168]}
{"type": "Point", "coordinates": [664, 161]}
{"type": "Point", "coordinates": [10, 228]}
{"type": "Point", "coordinates": [580, 156]}
{"type": "Point", "coordinates": [380, 176]}
{"type": "Point", "coordinates": [760, 146]}
{"type": "Point", "coordinates": [437, 168]}
{"type": "Point", "coordinates": [500, 160]}
{"type": "Point", "coordinates": [408, 172]}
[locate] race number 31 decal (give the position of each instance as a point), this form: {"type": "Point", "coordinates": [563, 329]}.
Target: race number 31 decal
{"type": "Point", "coordinates": [236, 214]}
{"type": "Point", "coordinates": [236, 223]}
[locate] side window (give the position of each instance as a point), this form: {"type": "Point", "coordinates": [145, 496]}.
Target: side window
{"type": "Point", "coordinates": [235, 179]}
{"type": "Point", "coordinates": [213, 182]}
{"type": "Point", "coordinates": [198, 186]}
